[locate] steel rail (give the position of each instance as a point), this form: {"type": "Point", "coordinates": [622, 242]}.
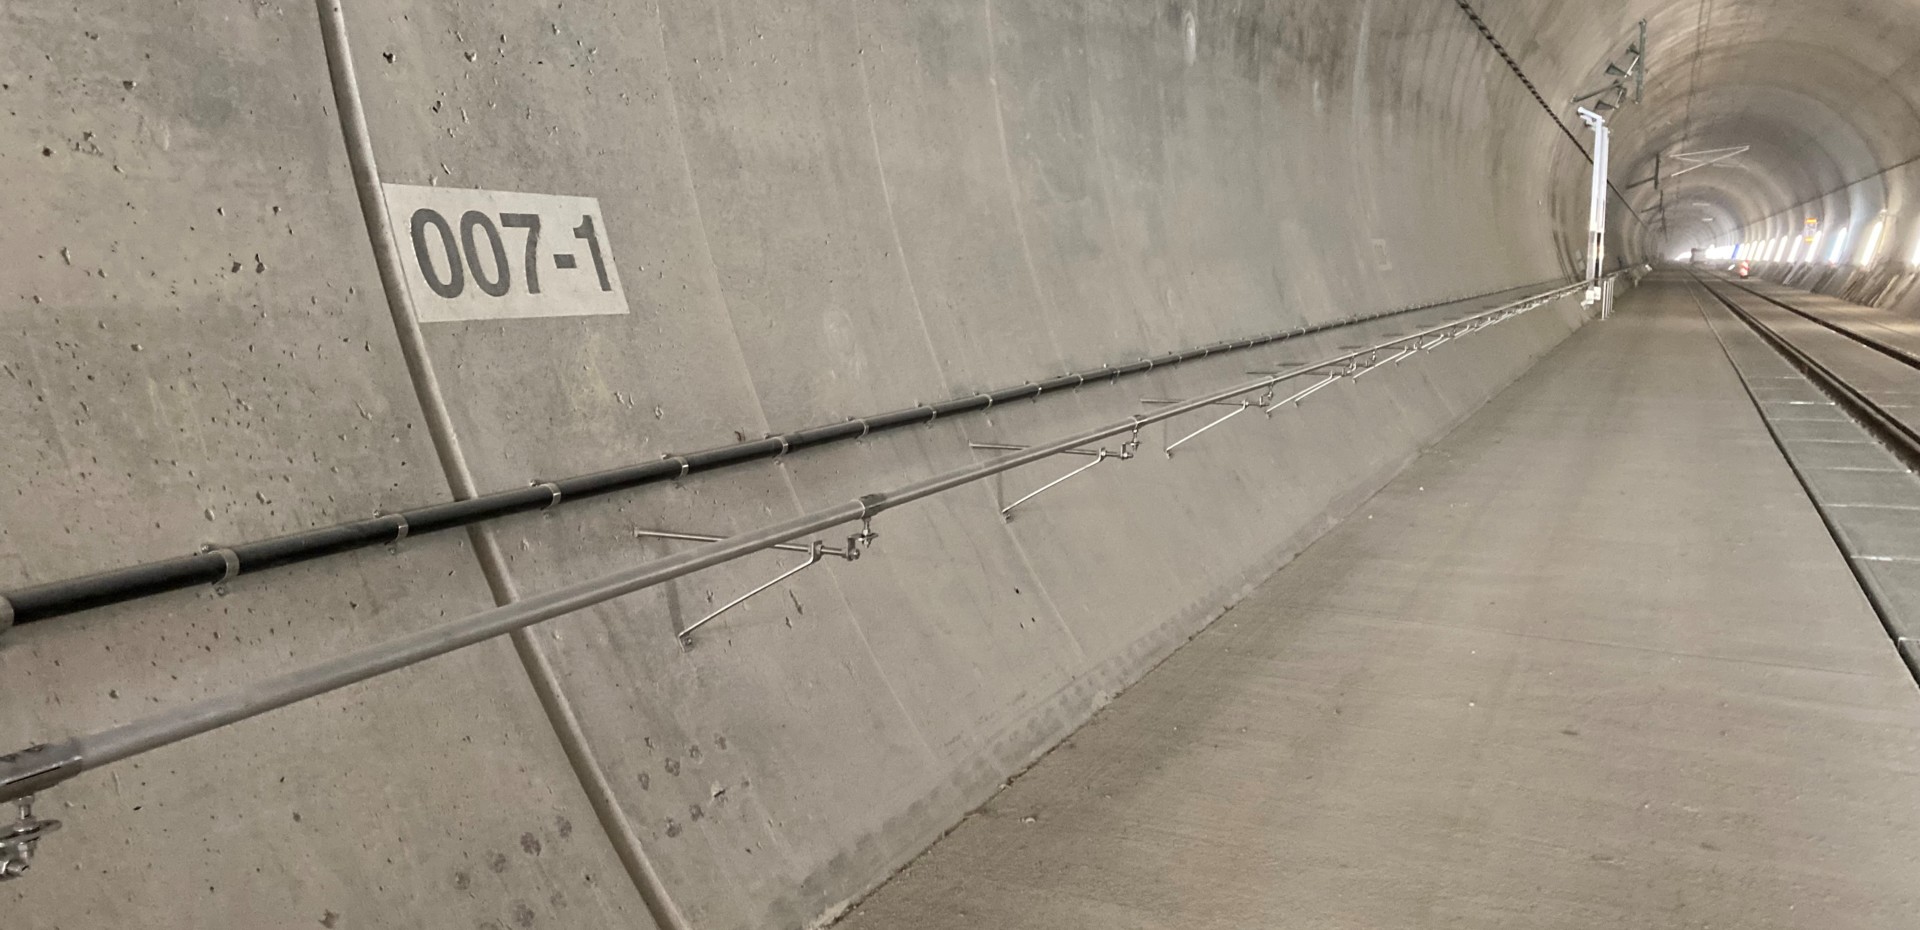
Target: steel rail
{"type": "Point", "coordinates": [1899, 437]}
{"type": "Point", "coordinates": [36, 768]}
{"type": "Point", "coordinates": [1904, 357]}
{"type": "Point", "coordinates": [1894, 435]}
{"type": "Point", "coordinates": [219, 564]}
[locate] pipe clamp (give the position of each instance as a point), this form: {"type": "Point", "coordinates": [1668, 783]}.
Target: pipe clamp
{"type": "Point", "coordinates": [230, 558]}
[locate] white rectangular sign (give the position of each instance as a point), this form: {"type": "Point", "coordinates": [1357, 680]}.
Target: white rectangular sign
{"type": "Point", "coordinates": [492, 255]}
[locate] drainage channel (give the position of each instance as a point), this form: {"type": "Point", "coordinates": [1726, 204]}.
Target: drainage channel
{"type": "Point", "coordinates": [1854, 458]}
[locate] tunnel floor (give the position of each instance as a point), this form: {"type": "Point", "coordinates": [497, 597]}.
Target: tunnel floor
{"type": "Point", "coordinates": [1594, 660]}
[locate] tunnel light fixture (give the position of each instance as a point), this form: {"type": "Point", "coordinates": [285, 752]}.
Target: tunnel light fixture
{"type": "Point", "coordinates": [1813, 245]}
{"type": "Point", "coordinates": [1871, 250]}
{"type": "Point", "coordinates": [1839, 245]}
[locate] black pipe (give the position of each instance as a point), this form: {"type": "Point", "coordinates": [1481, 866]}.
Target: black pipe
{"type": "Point", "coordinates": [118, 585]}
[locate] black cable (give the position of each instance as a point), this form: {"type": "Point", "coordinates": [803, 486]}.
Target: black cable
{"type": "Point", "coordinates": [1487, 33]}
{"type": "Point", "coordinates": [217, 565]}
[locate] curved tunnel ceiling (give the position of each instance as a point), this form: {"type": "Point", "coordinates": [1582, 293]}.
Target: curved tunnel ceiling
{"type": "Point", "coordinates": [1826, 94]}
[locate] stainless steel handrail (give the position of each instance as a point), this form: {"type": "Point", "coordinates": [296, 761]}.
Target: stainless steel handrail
{"type": "Point", "coordinates": [34, 769]}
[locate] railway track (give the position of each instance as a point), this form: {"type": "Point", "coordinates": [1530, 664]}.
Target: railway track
{"type": "Point", "coordinates": [1895, 424]}
{"type": "Point", "coordinates": [1844, 409]}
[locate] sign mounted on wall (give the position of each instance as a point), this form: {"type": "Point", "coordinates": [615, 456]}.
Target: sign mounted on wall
{"type": "Point", "coordinates": [1813, 230]}
{"type": "Point", "coordinates": [494, 255]}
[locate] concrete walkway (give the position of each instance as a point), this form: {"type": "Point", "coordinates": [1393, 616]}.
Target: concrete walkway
{"type": "Point", "coordinates": [1592, 662]}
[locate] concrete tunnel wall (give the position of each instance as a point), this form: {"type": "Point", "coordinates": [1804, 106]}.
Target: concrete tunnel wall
{"type": "Point", "coordinates": [818, 210]}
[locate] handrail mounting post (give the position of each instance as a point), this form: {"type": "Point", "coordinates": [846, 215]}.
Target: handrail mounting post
{"type": "Point", "coordinates": [19, 839]}
{"type": "Point", "coordinates": [815, 551]}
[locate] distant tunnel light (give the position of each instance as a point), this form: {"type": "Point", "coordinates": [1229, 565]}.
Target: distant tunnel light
{"type": "Point", "coordinates": [1720, 253]}
{"type": "Point", "coordinates": [1839, 246]}
{"type": "Point", "coordinates": [1871, 250]}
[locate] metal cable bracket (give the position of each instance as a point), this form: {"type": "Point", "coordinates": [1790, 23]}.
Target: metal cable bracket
{"type": "Point", "coordinates": [815, 551]}
{"type": "Point", "coordinates": [553, 490]}
{"type": "Point", "coordinates": [1240, 408]}
{"type": "Point", "coordinates": [18, 839]}
{"type": "Point", "coordinates": [23, 774]}
{"type": "Point", "coordinates": [858, 542]}
{"type": "Point", "coordinates": [1127, 451]}
{"type": "Point", "coordinates": [1321, 385]}
{"type": "Point", "coordinates": [1279, 368]}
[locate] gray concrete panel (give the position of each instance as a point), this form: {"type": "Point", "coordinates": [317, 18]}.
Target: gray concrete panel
{"type": "Point", "coordinates": [812, 222]}
{"type": "Point", "coordinates": [195, 350]}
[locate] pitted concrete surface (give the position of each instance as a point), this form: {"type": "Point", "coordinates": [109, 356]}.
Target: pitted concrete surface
{"type": "Point", "coordinates": [817, 210]}
{"type": "Point", "coordinates": [1593, 661]}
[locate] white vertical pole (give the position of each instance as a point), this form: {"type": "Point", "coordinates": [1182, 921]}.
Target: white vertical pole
{"type": "Point", "coordinates": [1597, 209]}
